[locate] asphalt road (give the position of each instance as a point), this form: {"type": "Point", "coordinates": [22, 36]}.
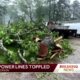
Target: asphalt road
{"type": "Point", "coordinates": [74, 58]}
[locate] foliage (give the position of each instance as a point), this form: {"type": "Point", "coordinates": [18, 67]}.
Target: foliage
{"type": "Point", "coordinates": [67, 48]}
{"type": "Point", "coordinates": [19, 35]}
{"type": "Point", "coordinates": [2, 13]}
{"type": "Point", "coordinates": [31, 10]}
{"type": "Point", "coordinates": [76, 9]}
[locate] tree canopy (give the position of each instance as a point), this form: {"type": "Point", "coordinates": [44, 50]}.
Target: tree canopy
{"type": "Point", "coordinates": [31, 10]}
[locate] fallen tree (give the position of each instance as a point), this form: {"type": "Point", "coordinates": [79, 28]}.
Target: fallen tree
{"type": "Point", "coordinates": [20, 46]}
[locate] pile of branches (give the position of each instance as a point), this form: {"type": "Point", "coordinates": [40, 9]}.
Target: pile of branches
{"type": "Point", "coordinates": [18, 45]}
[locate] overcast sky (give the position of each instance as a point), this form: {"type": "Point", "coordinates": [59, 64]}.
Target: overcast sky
{"type": "Point", "coordinates": [73, 0]}
{"type": "Point", "coordinates": [11, 1]}
{"type": "Point", "coordinates": [70, 1]}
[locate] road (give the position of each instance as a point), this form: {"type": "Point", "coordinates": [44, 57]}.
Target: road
{"type": "Point", "coordinates": [73, 58]}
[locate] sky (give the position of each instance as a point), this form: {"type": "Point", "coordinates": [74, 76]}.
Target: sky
{"type": "Point", "coordinates": [73, 0]}
{"type": "Point", "coordinates": [11, 1]}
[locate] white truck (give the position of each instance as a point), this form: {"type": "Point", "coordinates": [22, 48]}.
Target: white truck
{"type": "Point", "coordinates": [64, 29]}
{"type": "Point", "coordinates": [74, 26]}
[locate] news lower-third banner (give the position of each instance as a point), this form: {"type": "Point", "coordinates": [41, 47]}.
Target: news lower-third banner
{"type": "Point", "coordinates": [55, 68]}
